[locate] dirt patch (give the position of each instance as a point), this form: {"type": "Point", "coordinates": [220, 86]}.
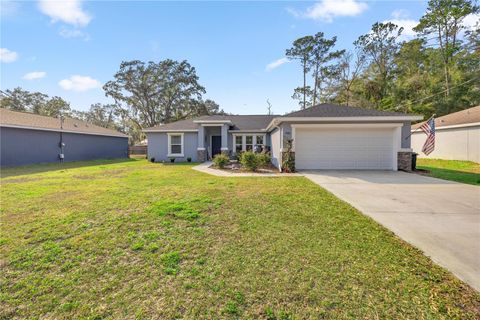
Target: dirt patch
{"type": "Point", "coordinates": [19, 180]}
{"type": "Point", "coordinates": [422, 172]}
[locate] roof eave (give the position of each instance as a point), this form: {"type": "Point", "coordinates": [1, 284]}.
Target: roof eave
{"type": "Point", "coordinates": [276, 121]}
{"type": "Point", "coordinates": [119, 135]}
{"type": "Point", "coordinates": [213, 122]}
{"type": "Point", "coordinates": [169, 130]}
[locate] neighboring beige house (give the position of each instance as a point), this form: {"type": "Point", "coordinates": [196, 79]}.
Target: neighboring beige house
{"type": "Point", "coordinates": [457, 136]}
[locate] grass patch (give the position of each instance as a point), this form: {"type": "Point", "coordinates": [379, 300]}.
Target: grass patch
{"type": "Point", "coordinates": [454, 170]}
{"type": "Point", "coordinates": [132, 239]}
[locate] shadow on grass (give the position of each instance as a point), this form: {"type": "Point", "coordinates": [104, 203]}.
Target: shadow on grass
{"type": "Point", "coordinates": [46, 167]}
{"type": "Point", "coordinates": [453, 175]}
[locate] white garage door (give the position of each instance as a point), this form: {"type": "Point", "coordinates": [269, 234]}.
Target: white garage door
{"type": "Point", "coordinates": [344, 148]}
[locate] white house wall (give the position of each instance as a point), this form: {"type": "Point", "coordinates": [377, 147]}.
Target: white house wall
{"type": "Point", "coordinates": [451, 144]}
{"type": "Point", "coordinates": [275, 147]}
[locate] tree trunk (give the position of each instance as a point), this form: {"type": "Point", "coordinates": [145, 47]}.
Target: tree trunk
{"type": "Point", "coordinates": [304, 84]}
{"type": "Point", "coordinates": [315, 85]}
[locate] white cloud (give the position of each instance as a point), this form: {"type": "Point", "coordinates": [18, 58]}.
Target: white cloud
{"type": "Point", "coordinates": [275, 64]}
{"type": "Point", "coordinates": [34, 75]}
{"type": "Point", "coordinates": [471, 20]}
{"type": "Point", "coordinates": [69, 12]}
{"type": "Point", "coordinates": [73, 33]}
{"type": "Point", "coordinates": [407, 25]}
{"type": "Point", "coordinates": [7, 55]}
{"type": "Point", "coordinates": [400, 14]}
{"type": "Point", "coordinates": [326, 10]}
{"type": "Point", "coordinates": [79, 83]}
{"type": "Point", "coordinates": [400, 17]}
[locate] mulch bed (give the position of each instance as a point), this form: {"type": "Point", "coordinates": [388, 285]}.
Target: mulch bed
{"type": "Point", "coordinates": [235, 166]}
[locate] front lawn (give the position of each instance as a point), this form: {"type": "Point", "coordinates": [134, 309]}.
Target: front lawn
{"type": "Point", "coordinates": [455, 170]}
{"type": "Point", "coordinates": [134, 239]}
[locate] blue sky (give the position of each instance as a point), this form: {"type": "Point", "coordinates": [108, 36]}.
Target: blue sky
{"type": "Point", "coordinates": [70, 49]}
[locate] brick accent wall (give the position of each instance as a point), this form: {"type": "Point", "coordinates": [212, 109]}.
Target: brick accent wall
{"type": "Point", "coordinates": [201, 155]}
{"type": "Point", "coordinates": [283, 164]}
{"type": "Point", "coordinates": [405, 161]}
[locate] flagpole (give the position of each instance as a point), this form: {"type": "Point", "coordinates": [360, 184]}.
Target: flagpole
{"type": "Point", "coordinates": [433, 115]}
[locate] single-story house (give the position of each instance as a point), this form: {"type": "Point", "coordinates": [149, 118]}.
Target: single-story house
{"type": "Point", "coordinates": [457, 136]}
{"type": "Point", "coordinates": [324, 136]}
{"type": "Point", "coordinates": [27, 138]}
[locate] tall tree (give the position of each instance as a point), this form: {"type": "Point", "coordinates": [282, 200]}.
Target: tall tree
{"type": "Point", "coordinates": [269, 108]}
{"type": "Point", "coordinates": [34, 102]}
{"type": "Point", "coordinates": [155, 93]}
{"type": "Point", "coordinates": [301, 50]}
{"type": "Point", "coordinates": [443, 22]}
{"type": "Point", "coordinates": [320, 56]}
{"type": "Point", "coordinates": [380, 46]}
{"type": "Point", "coordinates": [350, 68]}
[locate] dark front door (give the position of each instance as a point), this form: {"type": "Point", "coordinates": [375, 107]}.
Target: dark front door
{"type": "Point", "coordinates": [216, 145]}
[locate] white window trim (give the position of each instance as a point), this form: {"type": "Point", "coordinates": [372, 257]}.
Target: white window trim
{"type": "Point", "coordinates": [244, 140]}
{"type": "Point", "coordinates": [170, 145]}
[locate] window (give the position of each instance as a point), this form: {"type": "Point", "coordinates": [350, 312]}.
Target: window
{"type": "Point", "coordinates": [259, 141]}
{"type": "Point", "coordinates": [175, 144]}
{"type": "Point", "coordinates": [238, 144]}
{"type": "Point", "coordinates": [248, 143]}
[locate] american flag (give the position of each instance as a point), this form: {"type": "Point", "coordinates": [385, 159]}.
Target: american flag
{"type": "Point", "coordinates": [429, 129]}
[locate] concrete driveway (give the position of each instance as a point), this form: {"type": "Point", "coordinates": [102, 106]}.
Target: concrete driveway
{"type": "Point", "coordinates": [442, 218]}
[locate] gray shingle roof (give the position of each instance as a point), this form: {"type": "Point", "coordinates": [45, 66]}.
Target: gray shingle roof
{"type": "Point", "coordinates": [261, 122]}
{"type": "Point", "coordinates": [331, 110]}
{"type": "Point", "coordinates": [240, 122]}
{"type": "Point", "coordinates": [471, 115]}
{"type": "Point", "coordinates": [11, 118]}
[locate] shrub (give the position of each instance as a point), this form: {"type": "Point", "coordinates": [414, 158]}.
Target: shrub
{"type": "Point", "coordinates": [249, 160]}
{"type": "Point", "coordinates": [189, 159]}
{"type": "Point", "coordinates": [172, 160]}
{"type": "Point", "coordinates": [288, 158]}
{"type": "Point", "coordinates": [152, 159]}
{"type": "Point", "coordinates": [220, 160]}
{"type": "Point", "coordinates": [263, 159]}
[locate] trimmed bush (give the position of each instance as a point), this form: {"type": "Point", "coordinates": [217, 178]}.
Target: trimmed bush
{"type": "Point", "coordinates": [152, 159]}
{"type": "Point", "coordinates": [189, 159]}
{"type": "Point", "coordinates": [221, 160]}
{"type": "Point", "coordinates": [264, 159]}
{"type": "Point", "coordinates": [249, 160]}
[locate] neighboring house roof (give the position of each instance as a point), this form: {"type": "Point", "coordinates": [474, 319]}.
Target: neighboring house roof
{"type": "Point", "coordinates": [264, 122]}
{"type": "Point", "coordinates": [25, 120]}
{"type": "Point", "coordinates": [464, 117]}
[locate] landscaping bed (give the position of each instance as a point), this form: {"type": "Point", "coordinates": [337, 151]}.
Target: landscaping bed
{"type": "Point", "coordinates": [234, 166]}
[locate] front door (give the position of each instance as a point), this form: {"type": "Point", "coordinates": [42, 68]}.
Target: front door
{"type": "Point", "coordinates": [216, 145]}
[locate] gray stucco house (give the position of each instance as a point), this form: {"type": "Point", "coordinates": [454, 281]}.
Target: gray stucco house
{"type": "Point", "coordinates": [27, 138]}
{"type": "Point", "coordinates": [324, 136]}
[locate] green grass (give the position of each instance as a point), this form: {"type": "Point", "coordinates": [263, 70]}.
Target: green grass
{"type": "Point", "coordinates": [455, 170]}
{"type": "Point", "coordinates": [137, 240]}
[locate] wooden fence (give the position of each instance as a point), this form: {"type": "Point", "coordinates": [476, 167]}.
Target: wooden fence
{"type": "Point", "coordinates": [137, 150]}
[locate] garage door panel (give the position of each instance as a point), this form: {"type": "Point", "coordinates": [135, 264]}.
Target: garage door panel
{"type": "Point", "coordinates": [343, 148]}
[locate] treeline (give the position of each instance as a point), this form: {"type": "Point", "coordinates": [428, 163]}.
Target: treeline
{"type": "Point", "coordinates": [144, 95]}
{"type": "Point", "coordinates": [438, 71]}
